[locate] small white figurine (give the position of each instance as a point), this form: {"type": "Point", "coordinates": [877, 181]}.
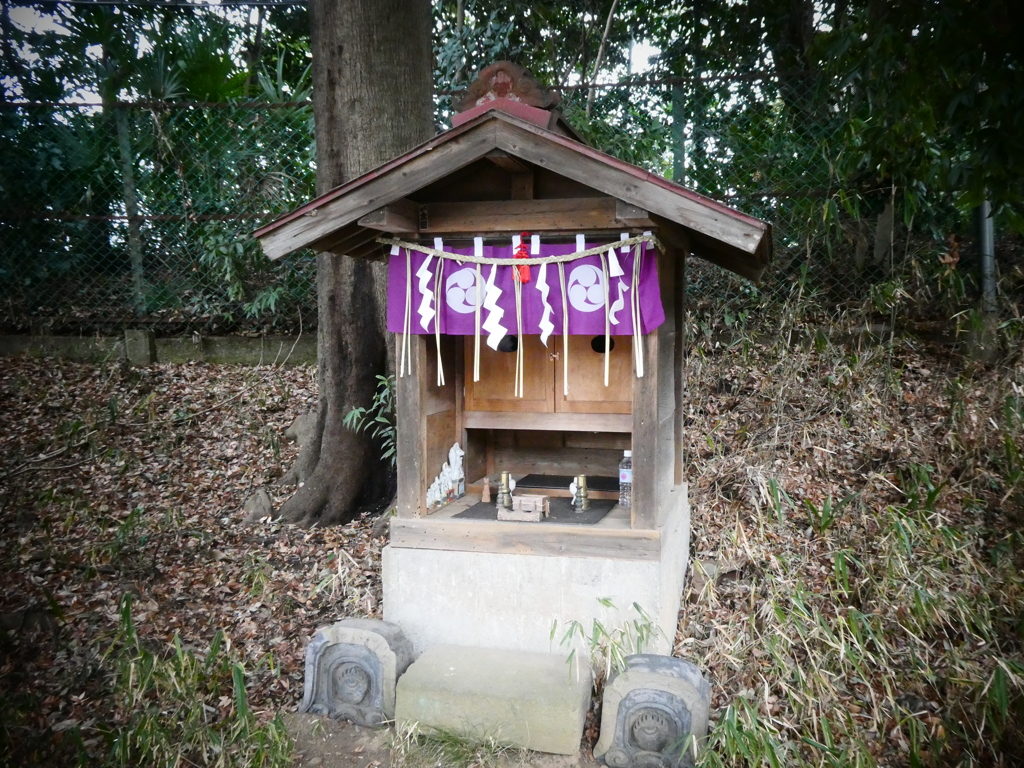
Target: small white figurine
{"type": "Point", "coordinates": [450, 483]}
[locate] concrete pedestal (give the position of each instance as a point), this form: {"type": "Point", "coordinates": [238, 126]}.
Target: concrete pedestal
{"type": "Point", "coordinates": [503, 600]}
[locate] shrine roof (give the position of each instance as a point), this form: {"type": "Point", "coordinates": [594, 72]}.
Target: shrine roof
{"type": "Point", "coordinates": [720, 234]}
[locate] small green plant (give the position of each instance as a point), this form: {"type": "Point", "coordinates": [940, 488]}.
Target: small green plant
{"type": "Point", "coordinates": [182, 707]}
{"type": "Point", "coordinates": [126, 536]}
{"type": "Point", "coordinates": [919, 488]}
{"type": "Point", "coordinates": [823, 518]}
{"type": "Point", "coordinates": [778, 499]}
{"type": "Point", "coordinates": [378, 421]}
{"type": "Point", "coordinates": [842, 560]}
{"type": "Point", "coordinates": [609, 647]}
{"type": "Point", "coordinates": [258, 573]}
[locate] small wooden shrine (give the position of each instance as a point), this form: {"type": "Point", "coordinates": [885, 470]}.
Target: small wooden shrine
{"type": "Point", "coordinates": [536, 287]}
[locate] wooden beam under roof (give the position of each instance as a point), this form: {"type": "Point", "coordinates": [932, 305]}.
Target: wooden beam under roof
{"type": "Point", "coordinates": [345, 241]}
{"type": "Point", "coordinates": [521, 185]}
{"type": "Point", "coordinates": [502, 216]}
{"type": "Point", "coordinates": [506, 162]}
{"type": "Point", "coordinates": [520, 173]}
{"type": "Point", "coordinates": [385, 185]}
{"type": "Point", "coordinates": [671, 233]}
{"type": "Point", "coordinates": [371, 251]}
{"type": "Point", "coordinates": [631, 215]}
{"type": "Point", "coordinates": [400, 216]}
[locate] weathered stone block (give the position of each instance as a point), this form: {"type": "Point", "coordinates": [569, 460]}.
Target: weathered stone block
{"type": "Point", "coordinates": [140, 347]}
{"type": "Point", "coordinates": [533, 700]}
{"type": "Point", "coordinates": [352, 668]}
{"type": "Point", "coordinates": [654, 714]}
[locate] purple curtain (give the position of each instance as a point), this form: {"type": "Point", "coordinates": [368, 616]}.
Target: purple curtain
{"type": "Point", "coordinates": [460, 290]}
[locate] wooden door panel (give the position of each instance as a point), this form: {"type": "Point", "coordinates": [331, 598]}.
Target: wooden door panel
{"type": "Point", "coordinates": [587, 392]}
{"type": "Point", "coordinates": [494, 391]}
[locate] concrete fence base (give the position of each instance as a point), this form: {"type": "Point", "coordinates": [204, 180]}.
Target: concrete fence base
{"type": "Point", "coordinates": [141, 348]}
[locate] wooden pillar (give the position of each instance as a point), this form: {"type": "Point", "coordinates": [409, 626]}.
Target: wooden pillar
{"type": "Point", "coordinates": [411, 424]}
{"type": "Point", "coordinates": [679, 318]}
{"type": "Point", "coordinates": [644, 512]}
{"type": "Point", "coordinates": [658, 402]}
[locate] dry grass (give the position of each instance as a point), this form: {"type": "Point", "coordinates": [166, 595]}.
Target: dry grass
{"type": "Point", "coordinates": [873, 498]}
{"type": "Point", "coordinates": [412, 747]}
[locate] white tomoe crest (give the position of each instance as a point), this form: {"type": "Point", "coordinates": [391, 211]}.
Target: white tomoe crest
{"type": "Point", "coordinates": [463, 293]}
{"type": "Point", "coordinates": [586, 288]}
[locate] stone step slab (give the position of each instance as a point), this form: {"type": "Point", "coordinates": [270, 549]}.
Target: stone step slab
{"type": "Point", "coordinates": [531, 700]}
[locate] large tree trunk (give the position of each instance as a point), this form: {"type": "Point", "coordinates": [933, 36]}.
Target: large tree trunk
{"type": "Point", "coordinates": [372, 101]}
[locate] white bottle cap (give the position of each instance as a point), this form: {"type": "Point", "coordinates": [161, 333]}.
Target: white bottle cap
{"type": "Point", "coordinates": [627, 454]}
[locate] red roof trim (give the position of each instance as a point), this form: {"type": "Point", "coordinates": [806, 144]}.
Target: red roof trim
{"type": "Point", "coordinates": [494, 113]}
{"type": "Point", "coordinates": [530, 114]}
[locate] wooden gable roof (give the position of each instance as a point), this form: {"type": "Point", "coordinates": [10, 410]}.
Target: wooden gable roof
{"type": "Point", "coordinates": [349, 218]}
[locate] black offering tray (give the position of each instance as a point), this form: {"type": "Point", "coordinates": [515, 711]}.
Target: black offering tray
{"type": "Point", "coordinates": [594, 482]}
{"type": "Point", "coordinates": [561, 511]}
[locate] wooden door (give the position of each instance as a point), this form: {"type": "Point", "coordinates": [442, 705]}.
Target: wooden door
{"type": "Point", "coordinates": [587, 392]}
{"type": "Point", "coordinates": [494, 391]}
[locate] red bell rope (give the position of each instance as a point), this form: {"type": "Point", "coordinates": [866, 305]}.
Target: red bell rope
{"type": "Point", "coordinates": [523, 252]}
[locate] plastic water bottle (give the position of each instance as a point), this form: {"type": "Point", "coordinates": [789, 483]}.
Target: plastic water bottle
{"type": "Point", "coordinates": [626, 480]}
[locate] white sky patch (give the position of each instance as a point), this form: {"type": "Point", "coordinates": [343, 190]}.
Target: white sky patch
{"type": "Point", "coordinates": [31, 20]}
{"type": "Point", "coordinates": [640, 56]}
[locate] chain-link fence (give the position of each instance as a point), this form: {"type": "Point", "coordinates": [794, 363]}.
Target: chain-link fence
{"type": "Point", "coordinates": [784, 149]}
{"type": "Point", "coordinates": [141, 213]}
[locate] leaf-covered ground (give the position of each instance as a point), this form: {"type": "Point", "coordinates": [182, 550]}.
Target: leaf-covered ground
{"type": "Point", "coordinates": [120, 481]}
{"type": "Point", "coordinates": [860, 509]}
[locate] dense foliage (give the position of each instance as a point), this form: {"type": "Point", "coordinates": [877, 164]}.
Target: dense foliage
{"type": "Point", "coordinates": [142, 205]}
{"type": "Point", "coordinates": [865, 132]}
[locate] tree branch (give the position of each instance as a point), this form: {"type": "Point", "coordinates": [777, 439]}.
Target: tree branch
{"type": "Point", "coordinates": [600, 55]}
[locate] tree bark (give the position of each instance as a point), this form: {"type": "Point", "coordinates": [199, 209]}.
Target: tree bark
{"type": "Point", "coordinates": [789, 31]}
{"type": "Point", "coordinates": [372, 101]}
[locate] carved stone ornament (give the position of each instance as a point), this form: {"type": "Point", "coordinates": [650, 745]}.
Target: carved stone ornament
{"type": "Point", "coordinates": [654, 714]}
{"type": "Point", "coordinates": [505, 80]}
{"type": "Point", "coordinates": [352, 668]}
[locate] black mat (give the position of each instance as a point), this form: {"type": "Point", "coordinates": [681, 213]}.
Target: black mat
{"type": "Point", "coordinates": [561, 512]}
{"type": "Point", "coordinates": [594, 482]}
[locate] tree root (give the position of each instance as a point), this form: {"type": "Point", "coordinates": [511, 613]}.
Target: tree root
{"type": "Point", "coordinates": [338, 476]}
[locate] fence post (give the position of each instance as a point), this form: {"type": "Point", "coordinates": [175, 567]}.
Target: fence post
{"type": "Point", "coordinates": [131, 206]}
{"type": "Point", "coordinates": [140, 347]}
{"type": "Point", "coordinates": [678, 134]}
{"type": "Point", "coordinates": [987, 248]}
{"type": "Point", "coordinates": [983, 340]}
